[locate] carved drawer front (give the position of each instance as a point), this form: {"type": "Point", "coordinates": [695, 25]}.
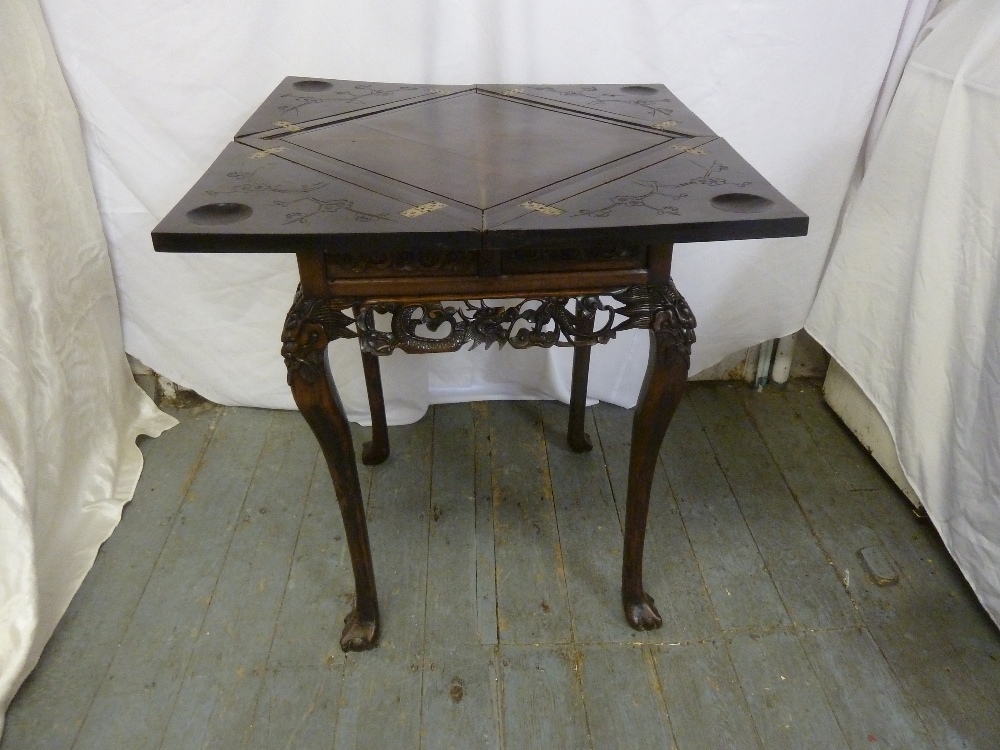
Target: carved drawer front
{"type": "Point", "coordinates": [540, 260]}
{"type": "Point", "coordinates": [371, 263]}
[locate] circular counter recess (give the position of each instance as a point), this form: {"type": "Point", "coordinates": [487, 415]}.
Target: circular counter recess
{"type": "Point", "coordinates": [312, 85]}
{"type": "Point", "coordinates": [640, 90]}
{"type": "Point", "coordinates": [741, 203]}
{"type": "Point", "coordinates": [219, 213]}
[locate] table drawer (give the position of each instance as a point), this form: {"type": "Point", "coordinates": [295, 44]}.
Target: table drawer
{"type": "Point", "coordinates": [553, 259]}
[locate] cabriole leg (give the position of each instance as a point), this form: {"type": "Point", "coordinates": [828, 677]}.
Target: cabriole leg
{"type": "Point", "coordinates": [309, 327]}
{"type": "Point", "coordinates": [671, 336]}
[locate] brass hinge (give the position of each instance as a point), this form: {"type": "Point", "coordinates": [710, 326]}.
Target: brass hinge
{"type": "Point", "coordinates": [267, 152]}
{"type": "Point", "coordinates": [541, 208]}
{"type": "Point", "coordinates": [423, 208]}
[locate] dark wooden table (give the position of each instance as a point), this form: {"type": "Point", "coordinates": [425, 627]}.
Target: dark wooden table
{"type": "Point", "coordinates": [396, 198]}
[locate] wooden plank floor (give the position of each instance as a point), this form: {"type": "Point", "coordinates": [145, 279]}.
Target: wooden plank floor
{"type": "Point", "coordinates": [211, 618]}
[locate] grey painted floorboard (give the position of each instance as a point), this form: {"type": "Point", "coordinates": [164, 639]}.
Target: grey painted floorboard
{"type": "Point", "coordinates": [461, 698]}
{"type": "Point", "coordinates": [543, 704]}
{"type": "Point", "coordinates": [398, 524]}
{"type": "Point", "coordinates": [670, 569]}
{"type": "Point", "coordinates": [589, 533]}
{"type": "Point", "coordinates": [869, 704]}
{"type": "Point", "coordinates": [212, 615]}
{"type": "Point", "coordinates": [532, 602]}
{"type": "Point", "coordinates": [739, 584]}
{"type": "Point", "coordinates": [486, 568]}
{"type": "Point", "coordinates": [134, 702]}
{"type": "Point", "coordinates": [380, 702]}
{"type": "Point", "coordinates": [624, 701]}
{"type": "Point", "coordinates": [452, 604]}
{"type": "Point", "coordinates": [708, 709]}
{"type": "Point", "coordinates": [297, 707]}
{"type": "Point", "coordinates": [808, 584]}
{"type": "Point", "coordinates": [219, 692]}
{"type": "Point", "coordinates": [833, 512]}
{"type": "Point", "coordinates": [785, 697]}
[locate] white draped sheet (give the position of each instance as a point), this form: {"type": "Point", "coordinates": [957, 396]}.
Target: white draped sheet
{"type": "Point", "coordinates": [69, 408]}
{"type": "Point", "coordinates": [910, 304]}
{"type": "Point", "coordinates": [162, 88]}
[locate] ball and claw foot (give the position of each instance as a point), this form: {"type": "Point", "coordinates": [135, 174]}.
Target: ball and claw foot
{"type": "Point", "coordinates": [579, 442]}
{"type": "Point", "coordinates": [373, 453]}
{"type": "Point", "coordinates": [642, 615]}
{"type": "Point", "coordinates": [359, 635]}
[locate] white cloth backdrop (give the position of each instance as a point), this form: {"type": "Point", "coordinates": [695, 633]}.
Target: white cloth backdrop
{"type": "Point", "coordinates": [69, 409]}
{"type": "Point", "coordinates": [910, 304]}
{"type": "Point", "coordinates": [162, 87]}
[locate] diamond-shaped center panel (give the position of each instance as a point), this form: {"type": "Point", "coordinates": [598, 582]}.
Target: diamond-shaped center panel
{"type": "Point", "coordinates": [475, 148]}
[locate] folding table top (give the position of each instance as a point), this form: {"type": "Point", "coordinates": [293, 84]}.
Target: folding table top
{"type": "Point", "coordinates": [352, 166]}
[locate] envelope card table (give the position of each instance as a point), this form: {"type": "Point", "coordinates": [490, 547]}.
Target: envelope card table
{"type": "Point", "coordinates": [413, 209]}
